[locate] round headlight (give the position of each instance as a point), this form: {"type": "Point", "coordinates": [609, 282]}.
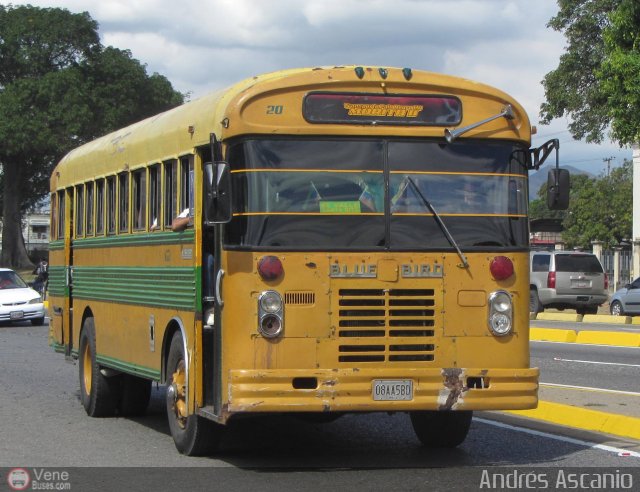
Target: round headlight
{"type": "Point", "coordinates": [271, 302]}
{"type": "Point", "coordinates": [501, 302]}
{"type": "Point", "coordinates": [500, 324]}
{"type": "Point", "coordinates": [270, 326]}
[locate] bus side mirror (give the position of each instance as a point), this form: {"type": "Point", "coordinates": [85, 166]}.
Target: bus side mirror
{"type": "Point", "coordinates": [217, 193]}
{"type": "Point", "coordinates": [558, 185]}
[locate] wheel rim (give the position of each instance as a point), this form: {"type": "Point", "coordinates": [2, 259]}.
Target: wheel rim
{"type": "Point", "coordinates": [177, 394]}
{"type": "Point", "coordinates": [615, 309]}
{"type": "Point", "coordinates": [87, 369]}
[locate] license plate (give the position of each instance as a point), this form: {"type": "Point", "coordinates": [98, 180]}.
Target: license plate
{"type": "Point", "coordinates": [581, 284]}
{"type": "Point", "coordinates": [16, 315]}
{"type": "Point", "coordinates": [392, 390]}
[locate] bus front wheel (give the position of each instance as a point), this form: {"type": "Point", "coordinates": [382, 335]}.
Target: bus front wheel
{"type": "Point", "coordinates": [99, 393]}
{"type": "Point", "coordinates": [441, 429]}
{"type": "Point", "coordinates": [193, 435]}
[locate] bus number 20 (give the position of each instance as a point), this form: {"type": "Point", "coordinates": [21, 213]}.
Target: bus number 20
{"type": "Point", "coordinates": [274, 109]}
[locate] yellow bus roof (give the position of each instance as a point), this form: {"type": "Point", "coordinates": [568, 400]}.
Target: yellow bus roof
{"type": "Point", "coordinates": [240, 109]}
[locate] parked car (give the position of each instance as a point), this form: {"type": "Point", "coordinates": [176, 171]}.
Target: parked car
{"type": "Point", "coordinates": [626, 300]}
{"type": "Point", "coordinates": [18, 301]}
{"type": "Point", "coordinates": [567, 279]}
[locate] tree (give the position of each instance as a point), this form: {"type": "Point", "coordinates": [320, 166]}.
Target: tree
{"type": "Point", "coordinates": [599, 208]}
{"type": "Point", "coordinates": [597, 82]}
{"type": "Point", "coordinates": [59, 88]}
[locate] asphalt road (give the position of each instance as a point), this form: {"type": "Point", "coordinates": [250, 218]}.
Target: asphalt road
{"type": "Point", "coordinates": [44, 425]}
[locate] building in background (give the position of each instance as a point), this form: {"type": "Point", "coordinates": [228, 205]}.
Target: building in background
{"type": "Point", "coordinates": [36, 229]}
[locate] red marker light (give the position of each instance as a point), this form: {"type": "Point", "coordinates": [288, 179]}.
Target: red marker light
{"type": "Point", "coordinates": [270, 268]}
{"type": "Point", "coordinates": [501, 268]}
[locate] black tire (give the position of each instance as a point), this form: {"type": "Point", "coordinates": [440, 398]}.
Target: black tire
{"type": "Point", "coordinates": [535, 306]}
{"type": "Point", "coordinates": [616, 308]}
{"type": "Point", "coordinates": [136, 393]}
{"type": "Point", "coordinates": [441, 429]}
{"type": "Point", "coordinates": [99, 394]}
{"type": "Point", "coordinates": [37, 321]}
{"type": "Point", "coordinates": [193, 435]}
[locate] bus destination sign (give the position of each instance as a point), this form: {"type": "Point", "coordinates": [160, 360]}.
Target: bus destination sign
{"type": "Point", "coordinates": [399, 109]}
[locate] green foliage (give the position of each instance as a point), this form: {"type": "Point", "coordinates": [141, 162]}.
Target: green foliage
{"type": "Point", "coordinates": [59, 88]}
{"type": "Point", "coordinates": [597, 82]}
{"type": "Point", "coordinates": [620, 71]}
{"type": "Point", "coordinates": [599, 208]}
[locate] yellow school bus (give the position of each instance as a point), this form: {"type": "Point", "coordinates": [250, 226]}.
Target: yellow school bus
{"type": "Point", "coordinates": [316, 241]}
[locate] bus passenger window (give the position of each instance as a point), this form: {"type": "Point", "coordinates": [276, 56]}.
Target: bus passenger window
{"type": "Point", "coordinates": [154, 198]}
{"type": "Point", "coordinates": [89, 217]}
{"type": "Point", "coordinates": [170, 193]}
{"type": "Point", "coordinates": [139, 184]}
{"type": "Point", "coordinates": [111, 205]}
{"type": "Point", "coordinates": [60, 216]}
{"type": "Point", "coordinates": [123, 200]}
{"type": "Point", "coordinates": [100, 207]}
{"type": "Point", "coordinates": [79, 210]}
{"type": "Point", "coordinates": [186, 185]}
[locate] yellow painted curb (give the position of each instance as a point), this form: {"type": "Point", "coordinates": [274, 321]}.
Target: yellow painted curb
{"type": "Point", "coordinates": [635, 320]}
{"type": "Point", "coordinates": [552, 335]}
{"type": "Point", "coordinates": [559, 317]}
{"type": "Point", "coordinates": [582, 418]}
{"type": "Point", "coordinates": [609, 338]}
{"type": "Point", "coordinates": [606, 318]}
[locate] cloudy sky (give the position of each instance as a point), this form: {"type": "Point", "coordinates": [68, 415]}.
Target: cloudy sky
{"type": "Point", "coordinates": [202, 45]}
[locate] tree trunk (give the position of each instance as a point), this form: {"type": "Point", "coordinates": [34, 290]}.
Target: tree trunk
{"type": "Point", "coordinates": [14, 254]}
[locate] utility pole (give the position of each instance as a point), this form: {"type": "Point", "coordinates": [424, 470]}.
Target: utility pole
{"type": "Point", "coordinates": [608, 161]}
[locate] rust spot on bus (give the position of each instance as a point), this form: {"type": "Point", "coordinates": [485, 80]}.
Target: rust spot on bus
{"type": "Point", "coordinates": [451, 395]}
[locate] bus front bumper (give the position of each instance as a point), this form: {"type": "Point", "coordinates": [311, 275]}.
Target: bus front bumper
{"type": "Point", "coordinates": [351, 390]}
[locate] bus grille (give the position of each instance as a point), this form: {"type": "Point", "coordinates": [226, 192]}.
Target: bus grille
{"type": "Point", "coordinates": [397, 325]}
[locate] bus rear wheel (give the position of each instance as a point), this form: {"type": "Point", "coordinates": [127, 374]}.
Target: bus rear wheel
{"type": "Point", "coordinates": [99, 394]}
{"type": "Point", "coordinates": [193, 435]}
{"type": "Point", "coordinates": [441, 429]}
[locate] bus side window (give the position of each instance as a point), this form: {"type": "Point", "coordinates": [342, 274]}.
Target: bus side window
{"type": "Point", "coordinates": [186, 185]}
{"type": "Point", "coordinates": [100, 207]}
{"type": "Point", "coordinates": [154, 197]}
{"type": "Point", "coordinates": [139, 195]}
{"type": "Point", "coordinates": [60, 220]}
{"type": "Point", "coordinates": [123, 201]}
{"type": "Point", "coordinates": [111, 205]}
{"type": "Point", "coordinates": [90, 208]}
{"type": "Point", "coordinates": [170, 192]}
{"type": "Point", "coordinates": [79, 210]}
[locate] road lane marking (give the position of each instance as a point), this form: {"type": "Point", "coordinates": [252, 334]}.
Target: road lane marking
{"type": "Point", "coordinates": [571, 440]}
{"type": "Point", "coordinates": [596, 362]}
{"type": "Point", "coordinates": [588, 388]}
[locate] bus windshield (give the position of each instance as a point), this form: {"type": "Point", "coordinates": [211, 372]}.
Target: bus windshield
{"type": "Point", "coordinates": [342, 194]}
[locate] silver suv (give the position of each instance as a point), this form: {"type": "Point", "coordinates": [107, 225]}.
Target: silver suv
{"type": "Point", "coordinates": [566, 279]}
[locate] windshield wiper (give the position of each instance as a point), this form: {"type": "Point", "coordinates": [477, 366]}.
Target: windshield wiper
{"type": "Point", "coordinates": [463, 258]}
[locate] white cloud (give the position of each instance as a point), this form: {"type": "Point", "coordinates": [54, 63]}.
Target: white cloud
{"type": "Point", "coordinates": [201, 45]}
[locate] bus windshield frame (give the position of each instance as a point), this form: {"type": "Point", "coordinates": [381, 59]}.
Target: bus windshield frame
{"type": "Point", "coordinates": [352, 193]}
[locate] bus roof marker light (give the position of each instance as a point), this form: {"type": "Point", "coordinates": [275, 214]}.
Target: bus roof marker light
{"type": "Point", "coordinates": [359, 72]}
{"type": "Point", "coordinates": [270, 268]}
{"type": "Point", "coordinates": [407, 73]}
{"type": "Point", "coordinates": [501, 268]}
{"type": "Point", "coordinates": [384, 73]}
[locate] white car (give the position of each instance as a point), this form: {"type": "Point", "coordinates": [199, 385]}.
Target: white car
{"type": "Point", "coordinates": [18, 301]}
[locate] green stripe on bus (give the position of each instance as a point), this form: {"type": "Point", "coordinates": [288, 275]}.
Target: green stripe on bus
{"type": "Point", "coordinates": [128, 367]}
{"type": "Point", "coordinates": [142, 239]}
{"type": "Point", "coordinates": [57, 282]}
{"type": "Point", "coordinates": [56, 245]}
{"type": "Point", "coordinates": [166, 287]}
